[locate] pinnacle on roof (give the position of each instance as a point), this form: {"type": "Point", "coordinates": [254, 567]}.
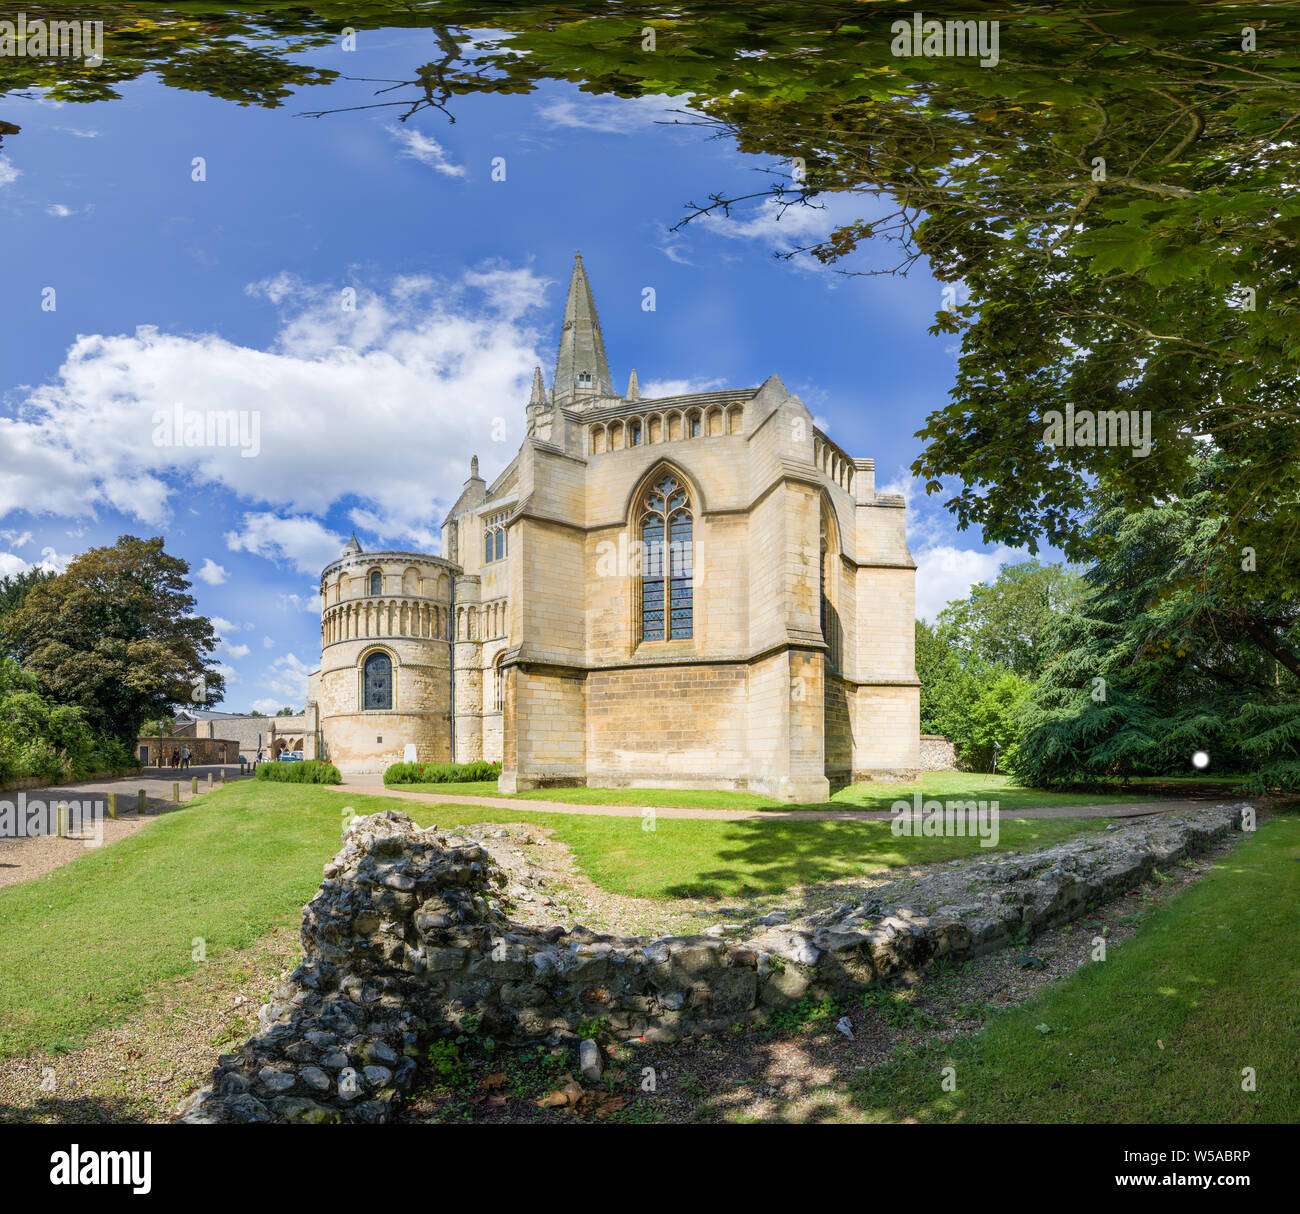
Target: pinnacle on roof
{"type": "Point", "coordinates": [352, 547]}
{"type": "Point", "coordinates": [537, 400]}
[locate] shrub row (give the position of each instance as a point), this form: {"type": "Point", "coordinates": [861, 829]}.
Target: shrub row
{"type": "Point", "coordinates": [440, 773]}
{"type": "Point", "coordinates": [310, 771]}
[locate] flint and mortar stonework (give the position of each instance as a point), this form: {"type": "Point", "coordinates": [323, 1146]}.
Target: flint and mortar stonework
{"type": "Point", "coordinates": [408, 939]}
{"type": "Point", "coordinates": [937, 753]}
{"type": "Point", "coordinates": [785, 665]}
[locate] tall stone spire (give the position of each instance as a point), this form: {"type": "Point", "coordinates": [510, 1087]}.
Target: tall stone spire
{"type": "Point", "coordinates": [633, 388]}
{"type": "Point", "coordinates": [581, 369]}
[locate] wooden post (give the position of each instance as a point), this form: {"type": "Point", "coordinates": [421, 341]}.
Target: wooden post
{"type": "Point", "coordinates": [62, 827]}
{"type": "Point", "coordinates": [194, 786]}
{"type": "Point", "coordinates": [176, 793]}
{"type": "Point", "coordinates": [140, 808]}
{"type": "Point", "coordinates": [112, 806]}
{"type": "Point", "coordinates": [209, 781]}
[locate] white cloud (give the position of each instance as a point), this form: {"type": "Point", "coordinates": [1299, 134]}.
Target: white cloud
{"type": "Point", "coordinates": [267, 643]}
{"type": "Point", "coordinates": [656, 388]}
{"type": "Point", "coordinates": [78, 132]}
{"type": "Point", "coordinates": [309, 602]}
{"type": "Point", "coordinates": [287, 677]}
{"type": "Point", "coordinates": [19, 539]}
{"type": "Point", "coordinates": [419, 146]}
{"type": "Point", "coordinates": [236, 651]}
{"type": "Point", "coordinates": [52, 562]}
{"type": "Point", "coordinates": [212, 573]}
{"type": "Point", "coordinates": [58, 210]}
{"type": "Point", "coordinates": [223, 626]}
{"type": "Point", "coordinates": [269, 707]}
{"type": "Point", "coordinates": [945, 573]}
{"type": "Point", "coordinates": [8, 174]}
{"type": "Point", "coordinates": [613, 115]}
{"type": "Point", "coordinates": [304, 542]}
{"type": "Point", "coordinates": [376, 406]}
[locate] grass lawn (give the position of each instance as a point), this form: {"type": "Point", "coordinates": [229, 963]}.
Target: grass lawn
{"type": "Point", "coordinates": [1212, 977]}
{"type": "Point", "coordinates": [938, 784]}
{"type": "Point", "coordinates": [80, 945]}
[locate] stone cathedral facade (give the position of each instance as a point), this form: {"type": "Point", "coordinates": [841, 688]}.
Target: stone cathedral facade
{"type": "Point", "coordinates": [698, 591]}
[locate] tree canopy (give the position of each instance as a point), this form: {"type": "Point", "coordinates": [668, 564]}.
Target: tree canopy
{"type": "Point", "coordinates": [1113, 202]}
{"type": "Point", "coordinates": [116, 635]}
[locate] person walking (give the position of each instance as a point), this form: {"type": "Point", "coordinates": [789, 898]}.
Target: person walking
{"type": "Point", "coordinates": [185, 756]}
{"type": "Point", "coordinates": [259, 759]}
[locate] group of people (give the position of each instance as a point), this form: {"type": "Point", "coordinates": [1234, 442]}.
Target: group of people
{"type": "Point", "coordinates": [179, 758]}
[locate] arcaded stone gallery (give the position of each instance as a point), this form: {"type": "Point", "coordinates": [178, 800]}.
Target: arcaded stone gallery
{"type": "Point", "coordinates": [697, 591]}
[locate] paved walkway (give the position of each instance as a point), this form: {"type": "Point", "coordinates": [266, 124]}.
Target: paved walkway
{"type": "Point", "coordinates": [373, 785]}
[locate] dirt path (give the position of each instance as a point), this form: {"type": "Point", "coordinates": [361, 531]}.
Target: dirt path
{"type": "Point", "coordinates": [373, 785]}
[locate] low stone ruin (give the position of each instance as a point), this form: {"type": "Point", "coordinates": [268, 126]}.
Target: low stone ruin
{"type": "Point", "coordinates": [408, 939]}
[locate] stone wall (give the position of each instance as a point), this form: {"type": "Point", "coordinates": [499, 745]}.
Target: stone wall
{"type": "Point", "coordinates": [937, 753]}
{"type": "Point", "coordinates": [408, 939]}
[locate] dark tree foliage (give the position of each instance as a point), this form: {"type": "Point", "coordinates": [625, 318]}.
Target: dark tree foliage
{"type": "Point", "coordinates": [1166, 658]}
{"type": "Point", "coordinates": [116, 634]}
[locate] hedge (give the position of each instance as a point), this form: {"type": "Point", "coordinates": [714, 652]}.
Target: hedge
{"type": "Point", "coordinates": [310, 771]}
{"type": "Point", "coordinates": [441, 773]}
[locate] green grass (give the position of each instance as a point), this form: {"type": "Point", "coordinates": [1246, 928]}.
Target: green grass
{"type": "Point", "coordinates": [940, 785]}
{"type": "Point", "coordinates": [80, 946]}
{"type": "Point", "coordinates": [1212, 976]}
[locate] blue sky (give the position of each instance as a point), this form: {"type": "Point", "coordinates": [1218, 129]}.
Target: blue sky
{"type": "Point", "coordinates": [226, 293]}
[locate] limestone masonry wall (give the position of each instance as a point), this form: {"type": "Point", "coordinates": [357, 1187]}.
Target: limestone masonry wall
{"type": "Point", "coordinates": [408, 939]}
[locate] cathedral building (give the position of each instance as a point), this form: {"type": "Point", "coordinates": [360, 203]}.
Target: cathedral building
{"type": "Point", "coordinates": [698, 591]}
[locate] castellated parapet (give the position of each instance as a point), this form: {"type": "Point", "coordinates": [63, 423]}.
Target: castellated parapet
{"type": "Point", "coordinates": [385, 676]}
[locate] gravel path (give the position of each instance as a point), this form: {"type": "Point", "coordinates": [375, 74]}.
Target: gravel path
{"type": "Point", "coordinates": [23, 859]}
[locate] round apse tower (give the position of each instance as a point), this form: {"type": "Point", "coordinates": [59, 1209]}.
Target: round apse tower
{"type": "Point", "coordinates": [385, 675]}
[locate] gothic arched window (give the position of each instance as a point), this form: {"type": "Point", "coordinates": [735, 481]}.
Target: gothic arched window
{"type": "Point", "coordinates": [667, 591]}
{"type": "Point", "coordinates": [377, 681]}
{"type": "Point", "coordinates": [830, 620]}
{"type": "Point", "coordinates": [498, 688]}
{"type": "Point", "coordinates": [376, 582]}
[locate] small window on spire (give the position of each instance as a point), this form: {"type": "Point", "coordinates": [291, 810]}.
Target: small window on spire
{"type": "Point", "coordinates": [584, 379]}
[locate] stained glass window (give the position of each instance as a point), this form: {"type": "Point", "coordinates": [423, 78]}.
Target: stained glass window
{"type": "Point", "coordinates": [667, 569]}
{"type": "Point", "coordinates": [377, 680]}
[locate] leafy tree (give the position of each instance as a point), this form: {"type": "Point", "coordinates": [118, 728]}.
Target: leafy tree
{"type": "Point", "coordinates": [37, 738]}
{"type": "Point", "coordinates": [993, 726]}
{"type": "Point", "coordinates": [947, 686]}
{"type": "Point", "coordinates": [117, 635]}
{"type": "Point", "coordinates": [1167, 657]}
{"type": "Point", "coordinates": [1098, 201]}
{"type": "Point", "coordinates": [14, 590]}
{"type": "Point", "coordinates": [286, 712]}
{"type": "Point", "coordinates": [1005, 622]}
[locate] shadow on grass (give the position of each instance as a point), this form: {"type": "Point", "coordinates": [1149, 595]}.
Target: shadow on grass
{"type": "Point", "coordinates": [766, 855]}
